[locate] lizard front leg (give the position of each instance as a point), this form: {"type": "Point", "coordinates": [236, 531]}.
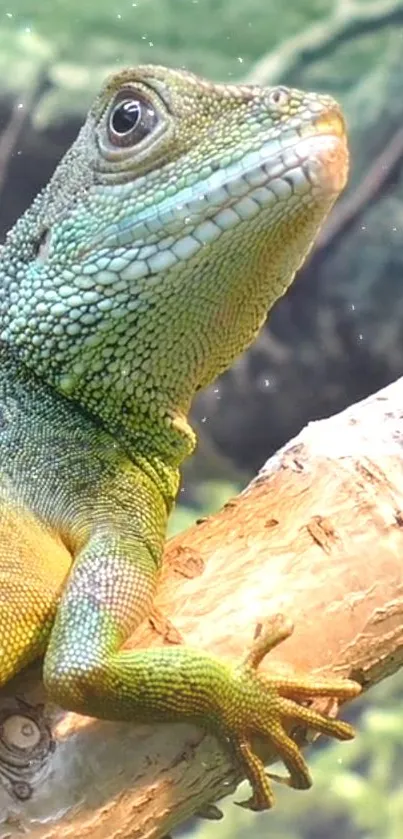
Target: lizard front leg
{"type": "Point", "coordinates": [109, 591]}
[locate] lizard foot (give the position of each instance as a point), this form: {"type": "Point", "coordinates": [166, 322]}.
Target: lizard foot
{"type": "Point", "coordinates": [267, 702]}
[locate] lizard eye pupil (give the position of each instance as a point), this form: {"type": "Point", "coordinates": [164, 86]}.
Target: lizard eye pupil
{"type": "Point", "coordinates": [125, 116]}
{"type": "Point", "coordinates": [131, 118]}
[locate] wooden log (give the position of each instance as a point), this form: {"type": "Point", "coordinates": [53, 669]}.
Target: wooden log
{"type": "Point", "coordinates": [318, 536]}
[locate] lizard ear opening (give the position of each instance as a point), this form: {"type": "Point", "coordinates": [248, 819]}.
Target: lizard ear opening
{"type": "Point", "coordinates": [41, 248]}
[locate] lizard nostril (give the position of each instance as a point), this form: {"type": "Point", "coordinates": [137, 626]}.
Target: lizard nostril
{"type": "Point", "coordinates": [42, 245]}
{"type": "Point", "coordinates": [279, 96]}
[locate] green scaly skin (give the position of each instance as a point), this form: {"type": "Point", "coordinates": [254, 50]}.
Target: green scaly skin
{"type": "Point", "coordinates": [178, 217]}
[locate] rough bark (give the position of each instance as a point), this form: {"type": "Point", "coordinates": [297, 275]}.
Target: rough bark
{"type": "Point", "coordinates": [318, 535]}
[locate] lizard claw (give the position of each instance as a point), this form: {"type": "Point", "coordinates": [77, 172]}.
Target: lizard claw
{"type": "Point", "coordinates": [266, 703]}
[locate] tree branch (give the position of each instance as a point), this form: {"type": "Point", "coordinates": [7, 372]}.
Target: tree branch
{"type": "Point", "coordinates": [348, 20]}
{"type": "Point", "coordinates": [21, 113]}
{"type": "Point", "coordinates": [318, 535]}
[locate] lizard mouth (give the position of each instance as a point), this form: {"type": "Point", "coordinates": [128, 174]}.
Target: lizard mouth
{"type": "Point", "coordinates": [329, 153]}
{"type": "Point", "coordinates": [313, 169]}
{"type": "Point", "coordinates": [308, 168]}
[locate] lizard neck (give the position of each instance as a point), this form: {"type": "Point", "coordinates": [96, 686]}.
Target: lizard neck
{"type": "Point", "coordinates": [134, 353]}
{"type": "Point", "coordinates": [131, 369]}
{"type": "Point", "coordinates": [134, 350]}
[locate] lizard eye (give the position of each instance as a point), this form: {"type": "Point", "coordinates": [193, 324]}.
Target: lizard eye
{"type": "Point", "coordinates": [130, 119]}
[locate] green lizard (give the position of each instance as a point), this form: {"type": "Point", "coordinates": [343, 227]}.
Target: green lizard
{"type": "Point", "coordinates": [178, 217]}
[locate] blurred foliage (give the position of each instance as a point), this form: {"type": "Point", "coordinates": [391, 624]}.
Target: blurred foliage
{"type": "Point", "coordinates": [336, 336]}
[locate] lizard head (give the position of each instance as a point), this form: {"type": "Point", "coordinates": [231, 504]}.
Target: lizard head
{"type": "Point", "coordinates": [175, 221]}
